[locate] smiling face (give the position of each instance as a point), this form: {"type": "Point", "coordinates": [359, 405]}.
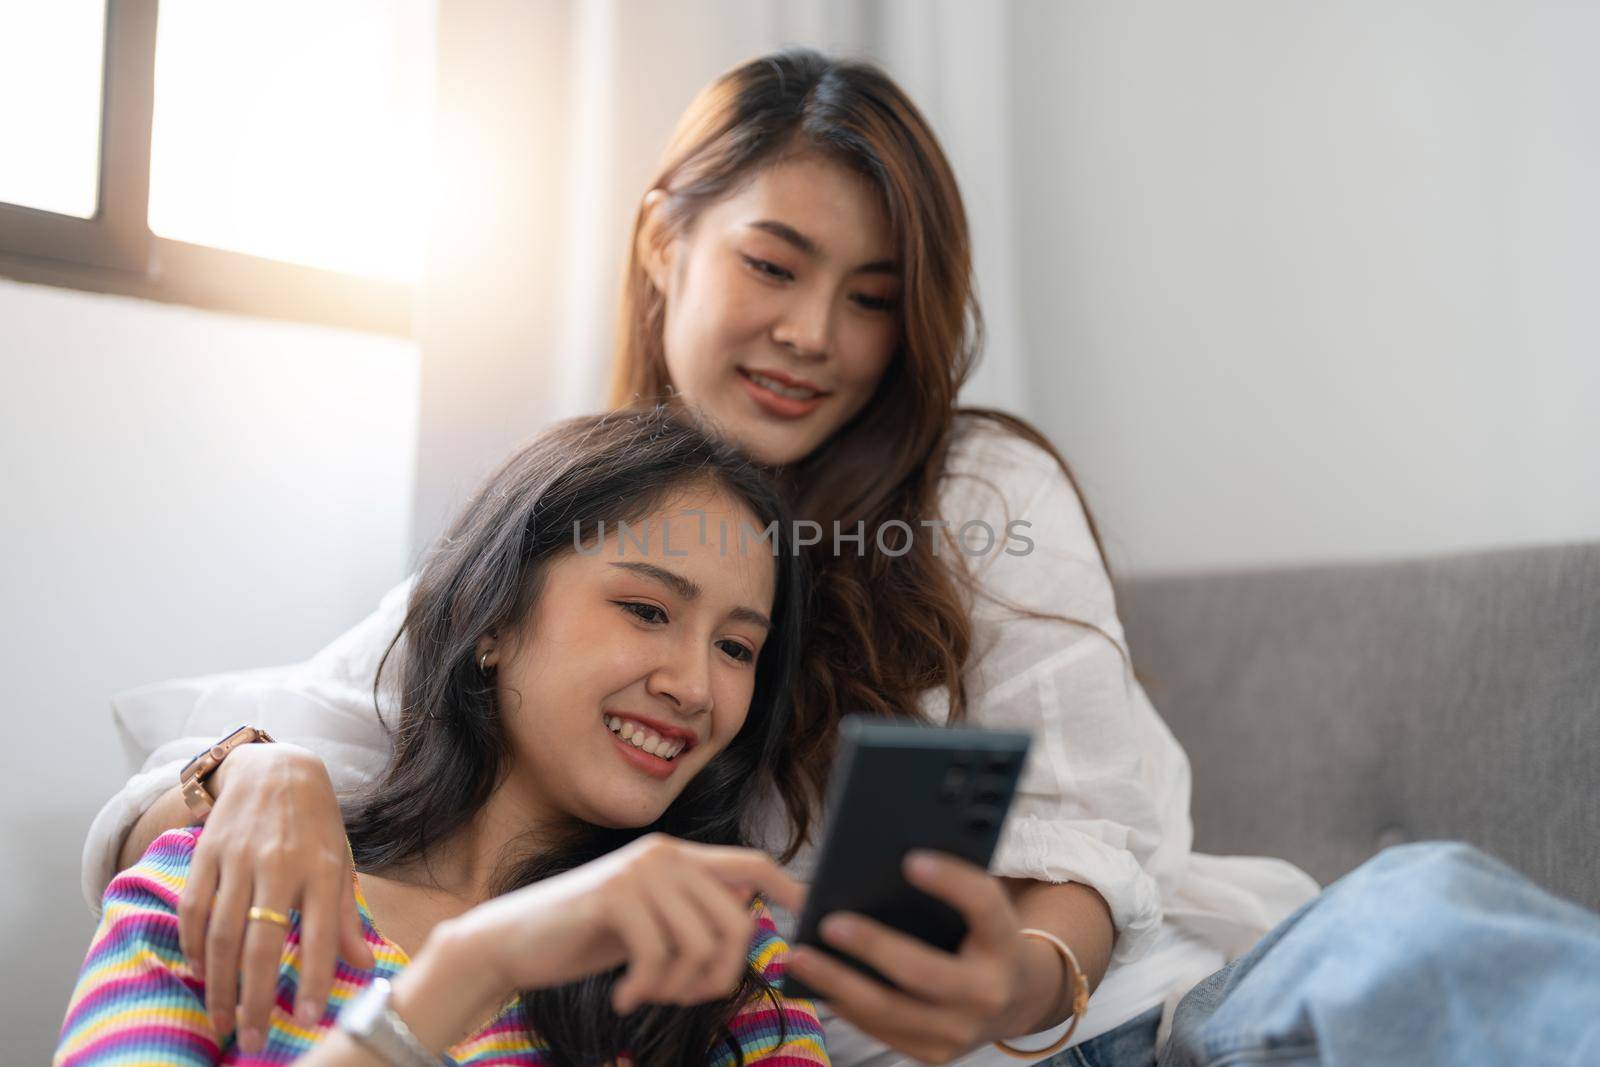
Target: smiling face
{"type": "Point", "coordinates": [781, 305]}
{"type": "Point", "coordinates": [659, 642]}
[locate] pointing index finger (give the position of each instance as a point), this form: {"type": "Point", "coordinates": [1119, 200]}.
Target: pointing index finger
{"type": "Point", "coordinates": [751, 871]}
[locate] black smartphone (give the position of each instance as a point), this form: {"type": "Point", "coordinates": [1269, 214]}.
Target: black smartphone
{"type": "Point", "coordinates": [896, 788]}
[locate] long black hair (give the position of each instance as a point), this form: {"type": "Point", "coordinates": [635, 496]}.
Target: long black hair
{"type": "Point", "coordinates": [450, 750]}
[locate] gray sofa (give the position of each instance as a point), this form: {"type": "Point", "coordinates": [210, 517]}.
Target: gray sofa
{"type": "Point", "coordinates": [1332, 711]}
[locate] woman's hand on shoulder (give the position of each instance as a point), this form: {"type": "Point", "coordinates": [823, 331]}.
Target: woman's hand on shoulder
{"type": "Point", "coordinates": [275, 840]}
{"type": "Point", "coordinates": [675, 913]}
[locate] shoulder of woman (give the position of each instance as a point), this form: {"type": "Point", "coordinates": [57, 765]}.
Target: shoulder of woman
{"type": "Point", "coordinates": [995, 476]}
{"type": "Point", "coordinates": [158, 878]}
{"type": "Point", "coordinates": [769, 950]}
{"type": "Point", "coordinates": [174, 847]}
{"type": "Point", "coordinates": [779, 1029]}
{"type": "Point", "coordinates": [979, 445]}
{"type": "Point", "coordinates": [766, 944]}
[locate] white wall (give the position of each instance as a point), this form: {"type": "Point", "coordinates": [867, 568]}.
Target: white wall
{"type": "Point", "coordinates": [1314, 280]}
{"type": "Point", "coordinates": [490, 375]}
{"type": "Point", "coordinates": [183, 492]}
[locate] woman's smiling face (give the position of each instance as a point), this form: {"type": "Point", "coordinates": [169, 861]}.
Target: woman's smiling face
{"type": "Point", "coordinates": [782, 305]}
{"type": "Point", "coordinates": [636, 665]}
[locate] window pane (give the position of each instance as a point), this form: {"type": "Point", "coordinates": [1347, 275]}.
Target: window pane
{"type": "Point", "coordinates": [297, 130]}
{"type": "Point", "coordinates": [52, 56]}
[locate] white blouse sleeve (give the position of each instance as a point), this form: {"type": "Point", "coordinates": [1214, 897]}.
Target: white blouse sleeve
{"type": "Point", "coordinates": [1103, 798]}
{"type": "Point", "coordinates": [325, 704]}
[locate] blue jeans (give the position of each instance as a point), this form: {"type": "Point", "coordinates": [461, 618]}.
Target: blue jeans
{"type": "Point", "coordinates": [1430, 953]}
{"type": "Point", "coordinates": [1133, 1044]}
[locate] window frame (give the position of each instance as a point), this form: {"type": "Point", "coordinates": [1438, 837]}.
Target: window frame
{"type": "Point", "coordinates": [115, 251]}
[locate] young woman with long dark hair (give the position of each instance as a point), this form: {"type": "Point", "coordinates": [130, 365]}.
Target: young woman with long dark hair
{"type": "Point", "coordinates": [585, 720]}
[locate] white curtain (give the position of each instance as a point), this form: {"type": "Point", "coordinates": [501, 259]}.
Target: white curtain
{"type": "Point", "coordinates": [551, 120]}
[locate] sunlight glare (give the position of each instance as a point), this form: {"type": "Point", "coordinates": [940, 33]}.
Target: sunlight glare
{"type": "Point", "coordinates": [299, 130]}
{"type": "Point", "coordinates": [51, 56]}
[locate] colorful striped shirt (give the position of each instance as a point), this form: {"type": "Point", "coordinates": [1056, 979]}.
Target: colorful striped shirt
{"type": "Point", "coordinates": [137, 1002]}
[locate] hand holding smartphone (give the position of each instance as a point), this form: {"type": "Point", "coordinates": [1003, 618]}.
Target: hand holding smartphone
{"type": "Point", "coordinates": [899, 787]}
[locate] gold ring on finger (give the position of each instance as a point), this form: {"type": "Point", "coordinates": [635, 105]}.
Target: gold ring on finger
{"type": "Point", "coordinates": [267, 915]}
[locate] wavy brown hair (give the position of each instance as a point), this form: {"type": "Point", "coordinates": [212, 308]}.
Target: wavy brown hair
{"type": "Point", "coordinates": [884, 629]}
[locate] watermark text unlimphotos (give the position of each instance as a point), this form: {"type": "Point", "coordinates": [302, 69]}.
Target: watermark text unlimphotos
{"type": "Point", "coordinates": [894, 538]}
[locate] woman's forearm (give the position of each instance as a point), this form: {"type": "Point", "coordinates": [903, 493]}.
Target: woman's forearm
{"type": "Point", "coordinates": [171, 811]}
{"type": "Point", "coordinates": [1077, 915]}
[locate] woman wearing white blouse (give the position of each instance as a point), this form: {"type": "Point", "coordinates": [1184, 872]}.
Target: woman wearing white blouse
{"type": "Point", "coordinates": [1103, 802]}
{"type": "Point", "coordinates": [801, 276]}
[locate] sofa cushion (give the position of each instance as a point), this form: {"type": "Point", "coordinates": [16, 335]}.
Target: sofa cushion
{"type": "Point", "coordinates": [1330, 711]}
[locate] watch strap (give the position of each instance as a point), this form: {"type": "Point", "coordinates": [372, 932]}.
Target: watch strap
{"type": "Point", "coordinates": [372, 1022]}
{"type": "Point", "coordinates": [192, 779]}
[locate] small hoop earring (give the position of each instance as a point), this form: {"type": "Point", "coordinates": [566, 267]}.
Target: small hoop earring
{"type": "Point", "coordinates": [483, 662]}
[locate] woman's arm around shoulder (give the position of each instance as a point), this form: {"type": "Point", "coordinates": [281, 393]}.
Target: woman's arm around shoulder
{"type": "Point", "coordinates": [324, 705]}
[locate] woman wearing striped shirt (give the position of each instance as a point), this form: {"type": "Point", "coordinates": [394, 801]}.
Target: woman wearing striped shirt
{"type": "Point", "coordinates": [550, 870]}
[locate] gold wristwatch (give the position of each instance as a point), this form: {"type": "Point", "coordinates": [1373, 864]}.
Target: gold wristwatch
{"type": "Point", "coordinates": [192, 779]}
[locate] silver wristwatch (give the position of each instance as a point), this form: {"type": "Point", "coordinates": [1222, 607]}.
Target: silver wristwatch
{"type": "Point", "coordinates": [369, 1019]}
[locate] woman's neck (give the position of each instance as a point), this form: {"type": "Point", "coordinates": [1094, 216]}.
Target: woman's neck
{"type": "Point", "coordinates": [467, 865]}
